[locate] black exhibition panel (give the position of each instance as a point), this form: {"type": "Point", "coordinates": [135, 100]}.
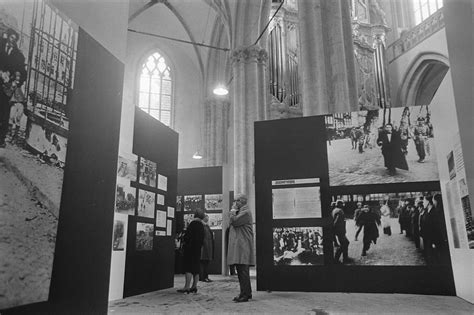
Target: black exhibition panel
{"type": "Point", "coordinates": [296, 149]}
{"type": "Point", "coordinates": [151, 270]}
{"type": "Point", "coordinates": [81, 268]}
{"type": "Point", "coordinates": [202, 181]}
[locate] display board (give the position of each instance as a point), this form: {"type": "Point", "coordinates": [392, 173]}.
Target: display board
{"type": "Point", "coordinates": [37, 79]}
{"type": "Point", "coordinates": [201, 188]}
{"type": "Point", "coordinates": [316, 162]}
{"type": "Point", "coordinates": [149, 258]}
{"type": "Point", "coordinates": [80, 269]}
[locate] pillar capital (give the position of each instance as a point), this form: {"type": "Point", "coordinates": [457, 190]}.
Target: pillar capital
{"type": "Point", "coordinates": [249, 54]}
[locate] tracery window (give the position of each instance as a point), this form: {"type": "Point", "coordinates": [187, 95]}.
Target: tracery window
{"type": "Point", "coordinates": [155, 88]}
{"type": "Point", "coordinates": [422, 9]}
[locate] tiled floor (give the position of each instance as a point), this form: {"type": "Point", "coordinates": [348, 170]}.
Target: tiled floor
{"type": "Point", "coordinates": [216, 298]}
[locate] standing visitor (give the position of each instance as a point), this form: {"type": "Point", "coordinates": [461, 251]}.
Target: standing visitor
{"type": "Point", "coordinates": [193, 239]}
{"type": "Point", "coordinates": [240, 251]}
{"type": "Point", "coordinates": [207, 251]}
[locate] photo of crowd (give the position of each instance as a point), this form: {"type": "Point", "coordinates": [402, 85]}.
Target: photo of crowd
{"type": "Point", "coordinates": [193, 202]}
{"type": "Point", "coordinates": [213, 202]}
{"type": "Point", "coordinates": [381, 146]}
{"type": "Point", "coordinates": [125, 198]}
{"type": "Point", "coordinates": [298, 246]}
{"type": "Point", "coordinates": [405, 228]}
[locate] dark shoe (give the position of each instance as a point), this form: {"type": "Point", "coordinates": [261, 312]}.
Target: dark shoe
{"type": "Point", "coordinates": [207, 280]}
{"type": "Point", "coordinates": [182, 290]}
{"type": "Point", "coordinates": [240, 296]}
{"type": "Point", "coordinates": [193, 290]}
{"type": "Point", "coordinates": [242, 299]}
{"type": "Point", "coordinates": [364, 253]}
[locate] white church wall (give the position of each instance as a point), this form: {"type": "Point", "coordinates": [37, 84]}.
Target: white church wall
{"type": "Point", "coordinates": [397, 68]}
{"type": "Point", "coordinates": [447, 137]}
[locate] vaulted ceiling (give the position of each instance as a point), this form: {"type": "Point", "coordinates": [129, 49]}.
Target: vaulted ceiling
{"type": "Point", "coordinates": [187, 20]}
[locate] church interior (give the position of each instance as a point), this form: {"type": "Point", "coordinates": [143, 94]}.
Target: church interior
{"type": "Point", "coordinates": [129, 115]}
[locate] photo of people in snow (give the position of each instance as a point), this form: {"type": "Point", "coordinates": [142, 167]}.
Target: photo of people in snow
{"type": "Point", "coordinates": [383, 146]}
{"type": "Point", "coordinates": [403, 228]}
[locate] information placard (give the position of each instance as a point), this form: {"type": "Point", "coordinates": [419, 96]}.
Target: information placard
{"type": "Point", "coordinates": [296, 202]}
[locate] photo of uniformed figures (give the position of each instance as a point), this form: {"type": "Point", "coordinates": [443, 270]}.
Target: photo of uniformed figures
{"type": "Point", "coordinates": [393, 229]}
{"type": "Point", "coordinates": [298, 246]}
{"type": "Point", "coordinates": [391, 145]}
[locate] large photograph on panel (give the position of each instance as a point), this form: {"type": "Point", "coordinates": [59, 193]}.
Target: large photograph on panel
{"type": "Point", "coordinates": [38, 47]}
{"type": "Point", "coordinates": [391, 228]}
{"type": "Point", "coordinates": [383, 146]}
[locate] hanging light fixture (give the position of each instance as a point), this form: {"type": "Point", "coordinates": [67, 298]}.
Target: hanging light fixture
{"type": "Point", "coordinates": [220, 90]}
{"type": "Point", "coordinates": [197, 155]}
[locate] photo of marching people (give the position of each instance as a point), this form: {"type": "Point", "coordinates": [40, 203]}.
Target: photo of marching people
{"type": "Point", "coordinates": [298, 246]}
{"type": "Point", "coordinates": [38, 46]}
{"type": "Point", "coordinates": [404, 228]}
{"type": "Point", "coordinates": [389, 145]}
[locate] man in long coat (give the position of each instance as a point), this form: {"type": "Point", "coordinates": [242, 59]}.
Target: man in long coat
{"type": "Point", "coordinates": [392, 152]}
{"type": "Point", "coordinates": [370, 221]}
{"type": "Point", "coordinates": [12, 60]}
{"type": "Point", "coordinates": [339, 224]}
{"type": "Point", "coordinates": [240, 250]}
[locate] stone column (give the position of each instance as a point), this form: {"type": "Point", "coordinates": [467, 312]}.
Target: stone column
{"type": "Point", "coordinates": [249, 100]}
{"type": "Point", "coordinates": [217, 122]}
{"type": "Point", "coordinates": [327, 57]}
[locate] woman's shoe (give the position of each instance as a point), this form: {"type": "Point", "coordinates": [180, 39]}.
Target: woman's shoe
{"type": "Point", "coordinates": [193, 290]}
{"type": "Point", "coordinates": [182, 290]}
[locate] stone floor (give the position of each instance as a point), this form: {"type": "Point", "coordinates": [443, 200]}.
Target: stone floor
{"type": "Point", "coordinates": [216, 298]}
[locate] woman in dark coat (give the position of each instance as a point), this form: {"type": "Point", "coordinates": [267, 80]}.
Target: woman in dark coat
{"type": "Point", "coordinates": [193, 239]}
{"type": "Point", "coordinates": [207, 252]}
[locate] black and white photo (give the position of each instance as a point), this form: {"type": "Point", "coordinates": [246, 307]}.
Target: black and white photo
{"type": "Point", "coordinates": [127, 167]}
{"type": "Point", "coordinates": [147, 172]}
{"type": "Point", "coordinates": [394, 229]}
{"type": "Point", "coordinates": [298, 246]}
{"type": "Point", "coordinates": [144, 237]}
{"type": "Point", "coordinates": [36, 80]}
{"type": "Point", "coordinates": [193, 202]}
{"type": "Point", "coordinates": [146, 203]}
{"type": "Point", "coordinates": [125, 199]}
{"type": "Point", "coordinates": [383, 146]}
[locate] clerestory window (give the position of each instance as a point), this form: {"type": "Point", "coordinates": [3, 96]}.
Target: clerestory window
{"type": "Point", "coordinates": [155, 88]}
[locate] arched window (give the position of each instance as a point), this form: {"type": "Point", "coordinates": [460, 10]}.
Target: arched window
{"type": "Point", "coordinates": [155, 90]}
{"type": "Point", "coordinates": [424, 8]}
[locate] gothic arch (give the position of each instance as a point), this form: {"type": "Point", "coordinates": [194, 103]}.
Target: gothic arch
{"type": "Point", "coordinates": [422, 79]}
{"type": "Point", "coordinates": [138, 68]}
